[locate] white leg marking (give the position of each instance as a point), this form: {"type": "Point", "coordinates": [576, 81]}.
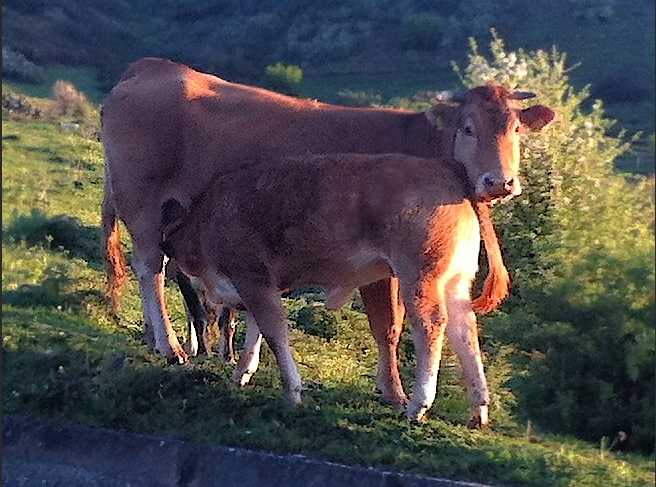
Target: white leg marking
{"type": "Point", "coordinates": [428, 364]}
{"type": "Point", "coordinates": [249, 358]}
{"type": "Point", "coordinates": [191, 345]}
{"type": "Point", "coordinates": [462, 332]}
{"type": "Point", "coordinates": [152, 298]}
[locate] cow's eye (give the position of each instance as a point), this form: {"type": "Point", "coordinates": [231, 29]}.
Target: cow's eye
{"type": "Point", "coordinates": [468, 130]}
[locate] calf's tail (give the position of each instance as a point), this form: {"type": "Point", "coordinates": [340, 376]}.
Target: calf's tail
{"type": "Point", "coordinates": [497, 283]}
{"type": "Point", "coordinates": [117, 270]}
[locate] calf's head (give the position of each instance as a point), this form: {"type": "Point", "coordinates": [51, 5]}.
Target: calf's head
{"type": "Point", "coordinates": [480, 130]}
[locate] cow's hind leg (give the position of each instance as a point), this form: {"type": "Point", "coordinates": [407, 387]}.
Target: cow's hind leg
{"type": "Point", "coordinates": [385, 311]}
{"type": "Point", "coordinates": [249, 357]}
{"type": "Point", "coordinates": [462, 332]}
{"type": "Point", "coordinates": [199, 320]}
{"type": "Point", "coordinates": [148, 267]}
{"type": "Point", "coordinates": [227, 324]}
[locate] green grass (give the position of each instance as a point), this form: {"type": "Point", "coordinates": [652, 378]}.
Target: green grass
{"type": "Point", "coordinates": [66, 357]}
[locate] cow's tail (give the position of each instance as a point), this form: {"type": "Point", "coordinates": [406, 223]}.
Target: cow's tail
{"type": "Point", "coordinates": [117, 270]}
{"type": "Point", "coordinates": [497, 283]}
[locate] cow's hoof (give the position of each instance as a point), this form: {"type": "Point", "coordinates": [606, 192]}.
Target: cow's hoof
{"type": "Point", "coordinates": [241, 377]}
{"type": "Point", "coordinates": [415, 413]}
{"type": "Point", "coordinates": [176, 355]}
{"type": "Point", "coordinates": [177, 359]}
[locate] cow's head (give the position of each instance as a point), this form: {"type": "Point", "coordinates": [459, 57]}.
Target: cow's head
{"type": "Point", "coordinates": [481, 128]}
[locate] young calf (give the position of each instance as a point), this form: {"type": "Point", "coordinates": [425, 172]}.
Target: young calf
{"type": "Point", "coordinates": [343, 221]}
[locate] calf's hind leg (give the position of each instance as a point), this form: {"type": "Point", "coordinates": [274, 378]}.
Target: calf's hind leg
{"type": "Point", "coordinates": [249, 357]}
{"type": "Point", "coordinates": [385, 311]}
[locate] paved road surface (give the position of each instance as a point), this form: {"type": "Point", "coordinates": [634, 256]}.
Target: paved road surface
{"type": "Point", "coordinates": [37, 452]}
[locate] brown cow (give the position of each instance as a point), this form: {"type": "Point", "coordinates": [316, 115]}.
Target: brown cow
{"type": "Point", "coordinates": [343, 221]}
{"type": "Point", "coordinates": [167, 130]}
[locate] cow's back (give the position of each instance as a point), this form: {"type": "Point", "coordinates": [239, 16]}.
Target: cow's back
{"type": "Point", "coordinates": [169, 129]}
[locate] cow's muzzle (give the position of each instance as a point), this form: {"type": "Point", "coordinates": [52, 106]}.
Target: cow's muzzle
{"type": "Point", "coordinates": [493, 188]}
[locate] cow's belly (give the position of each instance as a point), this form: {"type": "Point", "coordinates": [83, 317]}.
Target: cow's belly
{"type": "Point", "coordinates": [340, 280]}
{"type": "Point", "coordinates": [341, 277]}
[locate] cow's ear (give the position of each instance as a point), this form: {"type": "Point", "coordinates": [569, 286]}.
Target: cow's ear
{"type": "Point", "coordinates": [536, 118]}
{"type": "Point", "coordinates": [436, 116]}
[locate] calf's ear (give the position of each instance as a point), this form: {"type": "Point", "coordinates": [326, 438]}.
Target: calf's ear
{"type": "Point", "coordinates": [535, 118]}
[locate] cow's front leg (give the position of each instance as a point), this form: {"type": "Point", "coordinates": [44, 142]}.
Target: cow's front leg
{"type": "Point", "coordinates": [462, 332]}
{"type": "Point", "coordinates": [150, 275]}
{"type": "Point", "coordinates": [386, 312]}
{"type": "Point", "coordinates": [249, 357]}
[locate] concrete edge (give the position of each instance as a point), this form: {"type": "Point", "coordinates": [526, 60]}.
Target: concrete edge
{"type": "Point", "coordinates": [36, 451]}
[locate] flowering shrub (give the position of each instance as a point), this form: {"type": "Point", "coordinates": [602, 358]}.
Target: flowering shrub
{"type": "Point", "coordinates": [580, 247]}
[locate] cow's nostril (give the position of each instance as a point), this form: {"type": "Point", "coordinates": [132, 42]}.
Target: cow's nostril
{"type": "Point", "coordinates": [488, 182]}
{"type": "Point", "coordinates": [510, 184]}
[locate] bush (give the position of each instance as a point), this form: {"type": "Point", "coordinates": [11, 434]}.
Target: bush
{"type": "Point", "coordinates": [314, 319]}
{"type": "Point", "coordinates": [60, 232]}
{"type": "Point", "coordinates": [360, 98]}
{"type": "Point", "coordinates": [20, 105]}
{"type": "Point", "coordinates": [283, 78]}
{"type": "Point", "coordinates": [69, 100]}
{"type": "Point", "coordinates": [580, 248]}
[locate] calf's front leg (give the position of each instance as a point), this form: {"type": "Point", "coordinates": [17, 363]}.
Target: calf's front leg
{"type": "Point", "coordinates": [462, 332]}
{"type": "Point", "coordinates": [268, 312]}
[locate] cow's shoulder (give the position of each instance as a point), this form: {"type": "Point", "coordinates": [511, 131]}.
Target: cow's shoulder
{"type": "Point", "coordinates": [152, 66]}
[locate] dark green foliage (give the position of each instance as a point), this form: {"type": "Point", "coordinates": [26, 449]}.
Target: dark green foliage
{"type": "Point", "coordinates": [60, 232]}
{"type": "Point", "coordinates": [422, 32]}
{"type": "Point", "coordinates": [283, 78]}
{"type": "Point", "coordinates": [315, 319]}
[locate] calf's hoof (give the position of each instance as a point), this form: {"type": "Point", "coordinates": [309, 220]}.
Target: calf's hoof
{"type": "Point", "coordinates": [190, 349]}
{"type": "Point", "coordinates": [396, 401]}
{"type": "Point", "coordinates": [293, 397]}
{"type": "Point", "coordinates": [479, 419]}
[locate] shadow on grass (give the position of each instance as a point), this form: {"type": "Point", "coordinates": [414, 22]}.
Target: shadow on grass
{"type": "Point", "coordinates": [52, 292]}
{"type": "Point", "coordinates": [59, 366]}
{"type": "Point", "coordinates": [60, 232]}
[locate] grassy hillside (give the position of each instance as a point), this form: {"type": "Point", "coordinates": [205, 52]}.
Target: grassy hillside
{"type": "Point", "coordinates": [65, 356]}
